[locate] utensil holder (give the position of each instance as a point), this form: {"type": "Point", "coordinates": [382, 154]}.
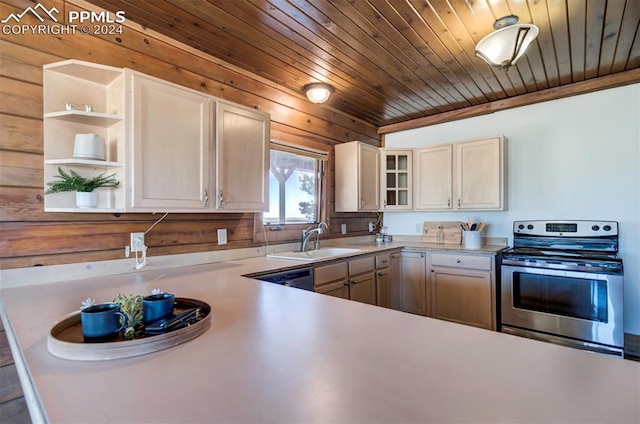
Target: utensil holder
{"type": "Point", "coordinates": [472, 239]}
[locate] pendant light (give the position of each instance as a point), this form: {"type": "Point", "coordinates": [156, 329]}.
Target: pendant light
{"type": "Point", "coordinates": [503, 47]}
{"type": "Point", "coordinates": [318, 92]}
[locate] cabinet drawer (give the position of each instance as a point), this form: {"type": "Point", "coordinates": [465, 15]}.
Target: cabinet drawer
{"type": "Point", "coordinates": [462, 261]}
{"type": "Point", "coordinates": [383, 260]}
{"type": "Point", "coordinates": [328, 273]}
{"type": "Point", "coordinates": [359, 266]}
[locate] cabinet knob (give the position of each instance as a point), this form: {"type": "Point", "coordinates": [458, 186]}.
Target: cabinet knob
{"type": "Point", "coordinates": [422, 255]}
{"type": "Point", "coordinates": [433, 270]}
{"type": "Point", "coordinates": [449, 202]}
{"type": "Point", "coordinates": [458, 202]}
{"type": "Point", "coordinates": [458, 261]}
{"type": "Point", "coordinates": [205, 193]}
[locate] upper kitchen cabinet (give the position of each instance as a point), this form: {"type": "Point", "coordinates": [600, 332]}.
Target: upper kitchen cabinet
{"type": "Point", "coordinates": [396, 179]}
{"type": "Point", "coordinates": [170, 148]}
{"type": "Point", "coordinates": [480, 174]}
{"type": "Point", "coordinates": [173, 149]}
{"type": "Point", "coordinates": [434, 174]}
{"type": "Point", "coordinates": [88, 100]}
{"type": "Point", "coordinates": [357, 186]}
{"type": "Point", "coordinates": [461, 176]}
{"type": "Point", "coordinates": [242, 158]}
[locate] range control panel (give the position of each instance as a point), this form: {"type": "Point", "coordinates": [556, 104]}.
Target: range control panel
{"type": "Point", "coordinates": [566, 228]}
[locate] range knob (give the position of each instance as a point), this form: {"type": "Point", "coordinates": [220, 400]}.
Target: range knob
{"type": "Point", "coordinates": [607, 228]}
{"type": "Point", "coordinates": [521, 227]}
{"type": "Point", "coordinates": [529, 227]}
{"type": "Point", "coordinates": [595, 228]}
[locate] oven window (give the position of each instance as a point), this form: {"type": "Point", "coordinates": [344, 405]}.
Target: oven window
{"type": "Point", "coordinates": [571, 297]}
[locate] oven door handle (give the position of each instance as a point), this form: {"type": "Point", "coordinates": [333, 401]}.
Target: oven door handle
{"type": "Point", "coordinates": [575, 344]}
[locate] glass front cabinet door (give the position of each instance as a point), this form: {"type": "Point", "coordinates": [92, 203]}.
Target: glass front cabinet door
{"type": "Point", "coordinates": [396, 175]}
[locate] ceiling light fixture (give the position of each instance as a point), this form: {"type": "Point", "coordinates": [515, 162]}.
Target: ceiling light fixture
{"type": "Point", "coordinates": [318, 92]}
{"type": "Point", "coordinates": [503, 47]}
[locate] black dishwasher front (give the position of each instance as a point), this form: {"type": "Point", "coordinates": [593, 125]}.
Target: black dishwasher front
{"type": "Point", "coordinates": [299, 278]}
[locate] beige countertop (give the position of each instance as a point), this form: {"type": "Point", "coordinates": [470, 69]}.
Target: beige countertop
{"type": "Point", "coordinates": [279, 354]}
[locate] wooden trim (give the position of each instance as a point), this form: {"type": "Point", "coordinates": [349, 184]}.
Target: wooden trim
{"type": "Point", "coordinates": [583, 87]}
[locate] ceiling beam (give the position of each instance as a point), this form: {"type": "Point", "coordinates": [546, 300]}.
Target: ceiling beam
{"type": "Point", "coordinates": [609, 81]}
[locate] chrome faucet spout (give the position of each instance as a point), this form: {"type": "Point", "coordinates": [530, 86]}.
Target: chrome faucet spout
{"type": "Point", "coordinates": [307, 234]}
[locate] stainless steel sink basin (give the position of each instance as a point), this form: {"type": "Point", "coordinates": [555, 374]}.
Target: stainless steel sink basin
{"type": "Point", "coordinates": [313, 255]}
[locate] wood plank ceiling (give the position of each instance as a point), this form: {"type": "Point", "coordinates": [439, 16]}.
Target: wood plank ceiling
{"type": "Point", "coordinates": [395, 60]}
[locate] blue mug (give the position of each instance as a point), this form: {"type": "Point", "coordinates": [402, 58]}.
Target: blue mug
{"type": "Point", "coordinates": [157, 306]}
{"type": "Point", "coordinates": [102, 322]}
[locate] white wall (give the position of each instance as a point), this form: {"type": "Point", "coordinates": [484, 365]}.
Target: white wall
{"type": "Point", "coordinates": [572, 158]}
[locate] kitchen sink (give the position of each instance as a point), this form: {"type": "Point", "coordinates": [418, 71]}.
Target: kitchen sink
{"type": "Point", "coordinates": [313, 255]}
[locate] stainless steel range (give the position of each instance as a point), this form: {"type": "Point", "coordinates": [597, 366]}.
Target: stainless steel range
{"type": "Point", "coordinates": [562, 282]}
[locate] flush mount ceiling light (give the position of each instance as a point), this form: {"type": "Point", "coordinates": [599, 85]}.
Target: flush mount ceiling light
{"type": "Point", "coordinates": [503, 47]}
{"type": "Point", "coordinates": [318, 92]}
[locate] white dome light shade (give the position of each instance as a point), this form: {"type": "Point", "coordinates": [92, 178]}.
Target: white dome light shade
{"type": "Point", "coordinates": [318, 92]}
{"type": "Point", "coordinates": [503, 47]}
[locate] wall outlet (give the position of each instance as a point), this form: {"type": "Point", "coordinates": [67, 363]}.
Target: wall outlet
{"type": "Point", "coordinates": [137, 242]}
{"type": "Point", "coordinates": [343, 228]}
{"type": "Point", "coordinates": [418, 228]}
{"type": "Point", "coordinates": [222, 236]}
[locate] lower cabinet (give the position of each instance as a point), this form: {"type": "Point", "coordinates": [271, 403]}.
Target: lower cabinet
{"type": "Point", "coordinates": [458, 287]}
{"type": "Point", "coordinates": [389, 281]}
{"type": "Point", "coordinates": [332, 279]}
{"type": "Point", "coordinates": [395, 275]}
{"type": "Point", "coordinates": [352, 279]}
{"type": "Point", "coordinates": [336, 289]}
{"type": "Point", "coordinates": [362, 280]}
{"type": "Point", "coordinates": [463, 288]}
{"type": "Point", "coordinates": [414, 287]}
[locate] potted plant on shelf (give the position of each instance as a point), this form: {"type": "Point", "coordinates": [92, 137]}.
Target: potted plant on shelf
{"type": "Point", "coordinates": [72, 181]}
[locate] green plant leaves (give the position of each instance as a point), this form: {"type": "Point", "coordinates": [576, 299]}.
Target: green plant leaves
{"type": "Point", "coordinates": [72, 181]}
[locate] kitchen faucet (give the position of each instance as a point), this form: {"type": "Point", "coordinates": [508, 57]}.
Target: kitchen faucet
{"type": "Point", "coordinates": [306, 235]}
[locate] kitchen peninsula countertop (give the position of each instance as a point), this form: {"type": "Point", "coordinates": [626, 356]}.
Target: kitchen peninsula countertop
{"type": "Point", "coordinates": [279, 354]}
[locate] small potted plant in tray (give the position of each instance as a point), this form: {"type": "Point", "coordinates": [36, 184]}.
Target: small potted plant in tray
{"type": "Point", "coordinates": [72, 181]}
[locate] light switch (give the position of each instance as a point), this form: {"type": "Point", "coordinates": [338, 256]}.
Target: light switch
{"type": "Point", "coordinates": [343, 227]}
{"type": "Point", "coordinates": [222, 236]}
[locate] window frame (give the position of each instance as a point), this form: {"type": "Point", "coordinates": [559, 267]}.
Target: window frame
{"type": "Point", "coordinates": [287, 232]}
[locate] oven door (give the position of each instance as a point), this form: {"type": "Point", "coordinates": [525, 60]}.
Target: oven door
{"type": "Point", "coordinates": [578, 305]}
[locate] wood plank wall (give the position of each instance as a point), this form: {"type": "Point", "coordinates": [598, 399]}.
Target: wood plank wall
{"type": "Point", "coordinates": [30, 237]}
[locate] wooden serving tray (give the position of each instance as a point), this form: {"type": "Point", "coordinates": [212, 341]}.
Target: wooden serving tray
{"type": "Point", "coordinates": [65, 339]}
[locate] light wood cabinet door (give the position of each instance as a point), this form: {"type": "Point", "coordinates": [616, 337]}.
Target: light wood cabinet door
{"type": "Point", "coordinates": [369, 165]}
{"type": "Point", "coordinates": [396, 179]}
{"type": "Point", "coordinates": [395, 283]}
{"type": "Point", "coordinates": [480, 174]}
{"type": "Point", "coordinates": [383, 287]}
{"type": "Point", "coordinates": [337, 289]}
{"type": "Point", "coordinates": [463, 296]}
{"type": "Point", "coordinates": [357, 177]}
{"type": "Point", "coordinates": [242, 159]}
{"type": "Point", "coordinates": [170, 146]}
{"type": "Point", "coordinates": [414, 273]}
{"type": "Point", "coordinates": [389, 283]}
{"type": "Point", "coordinates": [433, 182]}
{"type": "Point", "coordinates": [363, 288]}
